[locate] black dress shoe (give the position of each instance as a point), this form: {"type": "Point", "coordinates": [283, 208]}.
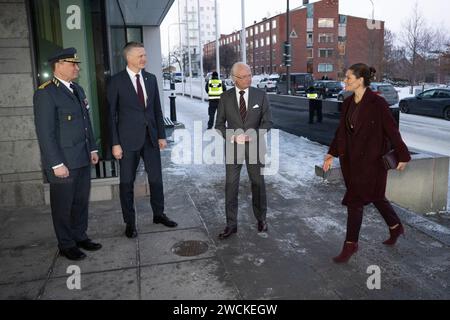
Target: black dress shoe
{"type": "Point", "coordinates": [227, 232]}
{"type": "Point", "coordinates": [165, 221]}
{"type": "Point", "coordinates": [130, 231]}
{"type": "Point", "coordinates": [89, 245]}
{"type": "Point", "coordinates": [262, 226]}
{"type": "Point", "coordinates": [72, 253]}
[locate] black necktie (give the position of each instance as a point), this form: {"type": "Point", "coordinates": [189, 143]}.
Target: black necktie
{"type": "Point", "coordinates": [75, 92]}
{"type": "Point", "coordinates": [140, 92]}
{"type": "Point", "coordinates": [242, 107]}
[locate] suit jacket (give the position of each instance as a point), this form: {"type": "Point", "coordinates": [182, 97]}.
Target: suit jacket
{"type": "Point", "coordinates": [63, 126]}
{"type": "Point", "coordinates": [361, 154]}
{"type": "Point", "coordinates": [129, 121]}
{"type": "Point", "coordinates": [258, 117]}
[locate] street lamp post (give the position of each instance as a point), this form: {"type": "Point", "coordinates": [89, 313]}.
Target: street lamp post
{"type": "Point", "coordinates": [168, 40]}
{"type": "Point", "coordinates": [288, 71]}
{"type": "Point", "coordinates": [216, 14]}
{"type": "Point", "coordinates": [243, 35]}
{"type": "Point", "coordinates": [179, 33]}
{"type": "Point", "coordinates": [200, 50]}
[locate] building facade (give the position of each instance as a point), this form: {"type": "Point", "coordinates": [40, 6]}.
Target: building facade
{"type": "Point", "coordinates": [190, 29]}
{"type": "Point", "coordinates": [323, 41]}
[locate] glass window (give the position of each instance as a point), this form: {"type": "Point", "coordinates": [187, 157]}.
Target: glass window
{"type": "Point", "coordinates": [256, 30]}
{"type": "Point", "coordinates": [261, 42]}
{"type": "Point", "coordinates": [309, 39]}
{"type": "Point", "coordinates": [428, 94]}
{"type": "Point", "coordinates": [274, 38]}
{"type": "Point", "coordinates": [267, 26]}
{"type": "Point", "coordinates": [325, 67]}
{"type": "Point", "coordinates": [261, 28]}
{"type": "Point", "coordinates": [256, 44]}
{"type": "Point", "coordinates": [251, 32]}
{"type": "Point", "coordinates": [325, 53]}
{"type": "Point", "coordinates": [326, 22]}
{"type": "Point", "coordinates": [309, 53]}
{"type": "Point", "coordinates": [267, 41]}
{"type": "Point", "coordinates": [274, 24]}
{"type": "Point", "coordinates": [443, 94]}
{"type": "Point", "coordinates": [326, 38]}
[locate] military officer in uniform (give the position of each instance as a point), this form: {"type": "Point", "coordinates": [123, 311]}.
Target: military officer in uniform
{"type": "Point", "coordinates": [68, 148]}
{"type": "Point", "coordinates": [215, 87]}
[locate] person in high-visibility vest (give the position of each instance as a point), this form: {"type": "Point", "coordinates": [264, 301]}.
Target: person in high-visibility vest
{"type": "Point", "coordinates": [214, 87]}
{"type": "Point", "coordinates": [315, 104]}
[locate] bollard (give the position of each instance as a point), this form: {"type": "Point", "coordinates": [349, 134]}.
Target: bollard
{"type": "Point", "coordinates": [173, 110]}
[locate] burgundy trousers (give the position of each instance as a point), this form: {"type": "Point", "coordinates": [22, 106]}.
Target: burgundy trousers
{"type": "Point", "coordinates": [355, 215]}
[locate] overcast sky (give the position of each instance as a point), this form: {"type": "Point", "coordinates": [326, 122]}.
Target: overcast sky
{"type": "Point", "coordinates": [393, 12]}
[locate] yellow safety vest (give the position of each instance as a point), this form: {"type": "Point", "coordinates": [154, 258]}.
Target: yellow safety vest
{"type": "Point", "coordinates": [215, 88]}
{"type": "Point", "coordinates": [312, 95]}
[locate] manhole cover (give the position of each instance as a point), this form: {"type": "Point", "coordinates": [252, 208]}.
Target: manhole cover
{"type": "Point", "coordinates": [190, 248]}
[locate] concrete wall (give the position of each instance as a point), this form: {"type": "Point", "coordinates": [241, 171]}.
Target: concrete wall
{"type": "Point", "coordinates": [20, 170]}
{"type": "Point", "coordinates": [422, 187]}
{"type": "Point", "coordinates": [152, 42]}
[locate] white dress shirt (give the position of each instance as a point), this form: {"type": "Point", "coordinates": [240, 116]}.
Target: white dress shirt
{"type": "Point", "coordinates": [238, 97]}
{"type": "Point", "coordinates": [141, 80]}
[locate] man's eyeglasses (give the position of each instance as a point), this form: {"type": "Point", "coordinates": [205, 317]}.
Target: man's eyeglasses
{"type": "Point", "coordinates": [243, 77]}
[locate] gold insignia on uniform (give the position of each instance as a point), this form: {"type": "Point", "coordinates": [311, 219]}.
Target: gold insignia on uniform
{"type": "Point", "coordinates": [42, 86]}
{"type": "Point", "coordinates": [56, 82]}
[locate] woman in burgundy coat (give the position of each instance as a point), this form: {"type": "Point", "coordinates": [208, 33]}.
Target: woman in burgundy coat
{"type": "Point", "coordinates": [366, 132]}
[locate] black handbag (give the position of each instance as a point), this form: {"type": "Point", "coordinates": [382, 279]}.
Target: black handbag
{"type": "Point", "coordinates": [390, 160]}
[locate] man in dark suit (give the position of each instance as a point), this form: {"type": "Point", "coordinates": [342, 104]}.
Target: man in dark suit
{"type": "Point", "coordinates": [67, 144]}
{"type": "Point", "coordinates": [242, 114]}
{"type": "Point", "coordinates": [137, 130]}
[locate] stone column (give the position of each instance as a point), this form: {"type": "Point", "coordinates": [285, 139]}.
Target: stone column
{"type": "Point", "coordinates": [21, 181]}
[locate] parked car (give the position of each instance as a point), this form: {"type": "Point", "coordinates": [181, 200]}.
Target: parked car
{"type": "Point", "coordinates": [386, 90]}
{"type": "Point", "coordinates": [229, 83]}
{"type": "Point", "coordinates": [433, 102]}
{"type": "Point", "coordinates": [328, 88]}
{"type": "Point", "coordinates": [268, 84]}
{"type": "Point", "coordinates": [299, 83]}
{"type": "Point", "coordinates": [177, 77]}
{"type": "Point", "coordinates": [167, 76]}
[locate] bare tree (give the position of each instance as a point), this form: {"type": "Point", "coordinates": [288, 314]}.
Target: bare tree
{"type": "Point", "coordinates": [388, 56]}
{"type": "Point", "coordinates": [227, 58]}
{"type": "Point", "coordinates": [209, 62]}
{"type": "Point", "coordinates": [416, 39]}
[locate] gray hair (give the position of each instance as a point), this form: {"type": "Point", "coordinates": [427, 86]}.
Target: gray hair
{"type": "Point", "coordinates": [237, 65]}
{"type": "Point", "coordinates": [129, 46]}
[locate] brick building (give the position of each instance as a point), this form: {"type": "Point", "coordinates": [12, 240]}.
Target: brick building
{"type": "Point", "coordinates": [323, 41]}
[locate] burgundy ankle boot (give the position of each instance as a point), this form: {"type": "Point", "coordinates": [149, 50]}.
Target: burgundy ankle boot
{"type": "Point", "coordinates": [347, 251]}
{"type": "Point", "coordinates": [395, 233]}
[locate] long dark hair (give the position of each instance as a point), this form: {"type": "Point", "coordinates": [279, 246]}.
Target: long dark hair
{"type": "Point", "coordinates": [363, 70]}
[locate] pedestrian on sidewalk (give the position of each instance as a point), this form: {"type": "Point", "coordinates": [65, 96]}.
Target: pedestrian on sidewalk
{"type": "Point", "coordinates": [366, 132]}
{"type": "Point", "coordinates": [68, 148]}
{"type": "Point", "coordinates": [137, 130]}
{"type": "Point", "coordinates": [214, 88]}
{"type": "Point", "coordinates": [245, 108]}
{"type": "Point", "coordinates": [315, 104]}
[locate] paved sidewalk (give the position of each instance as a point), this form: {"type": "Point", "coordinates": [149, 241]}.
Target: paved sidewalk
{"type": "Point", "coordinates": [291, 261]}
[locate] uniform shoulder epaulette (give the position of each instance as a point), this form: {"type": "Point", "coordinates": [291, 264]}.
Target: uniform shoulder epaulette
{"type": "Point", "coordinates": [42, 86]}
{"type": "Point", "coordinates": [56, 82]}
